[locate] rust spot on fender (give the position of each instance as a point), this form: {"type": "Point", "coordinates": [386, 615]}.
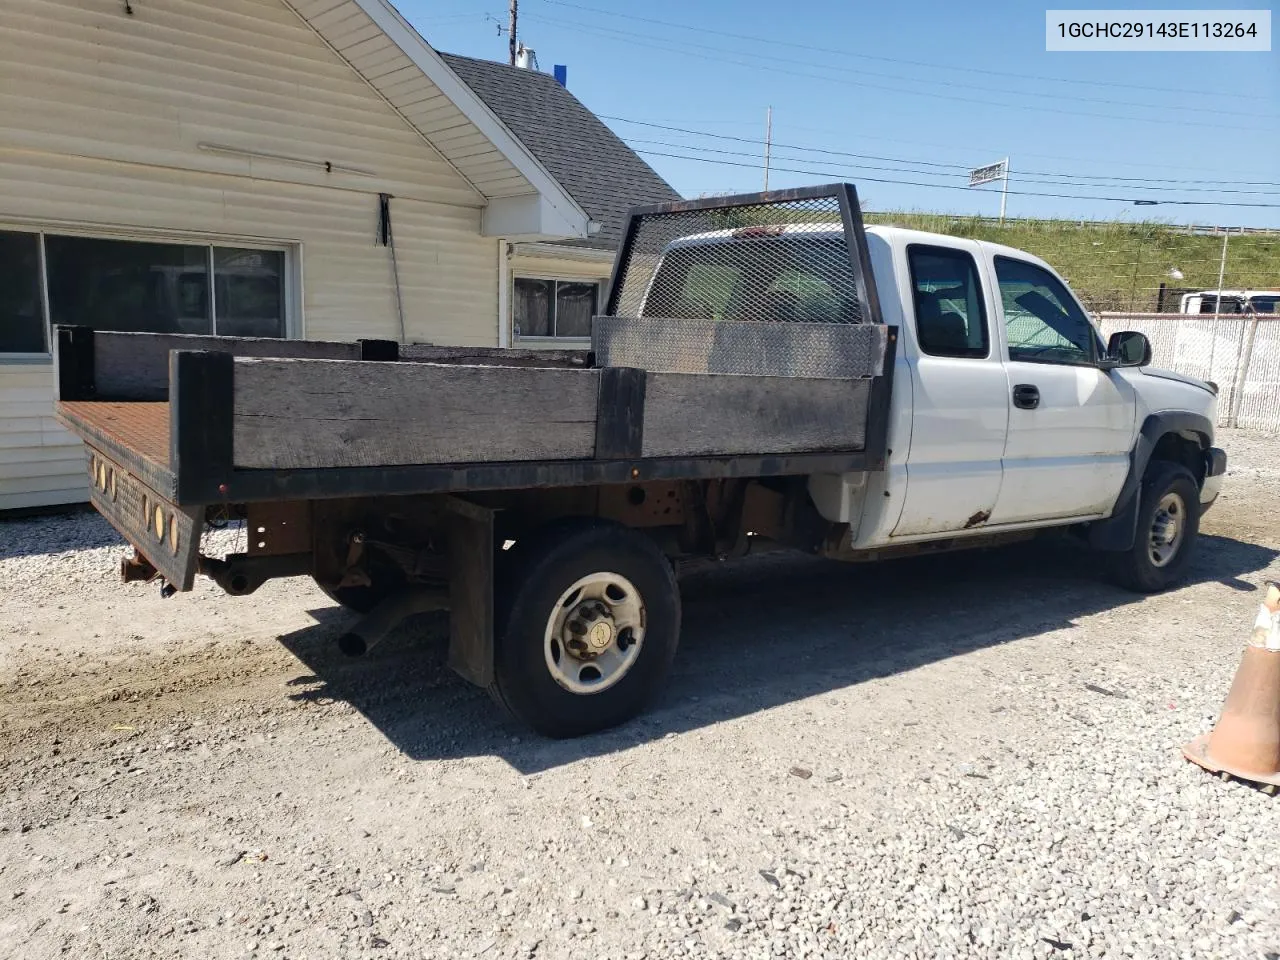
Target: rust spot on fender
{"type": "Point", "coordinates": [982, 516]}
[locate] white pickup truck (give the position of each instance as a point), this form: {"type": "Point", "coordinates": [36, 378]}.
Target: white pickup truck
{"type": "Point", "coordinates": [1009, 411]}
{"type": "Point", "coordinates": [767, 374]}
{"type": "Point", "coordinates": [1231, 301]}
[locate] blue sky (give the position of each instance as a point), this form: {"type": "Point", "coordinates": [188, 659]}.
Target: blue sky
{"type": "Point", "coordinates": [919, 90]}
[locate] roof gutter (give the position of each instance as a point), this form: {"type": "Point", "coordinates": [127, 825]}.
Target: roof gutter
{"type": "Point", "coordinates": [562, 252]}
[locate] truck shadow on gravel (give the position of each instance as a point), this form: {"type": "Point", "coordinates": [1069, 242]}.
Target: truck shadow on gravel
{"type": "Point", "coordinates": [757, 633]}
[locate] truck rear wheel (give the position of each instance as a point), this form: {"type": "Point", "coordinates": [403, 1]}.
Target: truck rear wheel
{"type": "Point", "coordinates": [588, 621]}
{"type": "Point", "coordinates": [1168, 522]}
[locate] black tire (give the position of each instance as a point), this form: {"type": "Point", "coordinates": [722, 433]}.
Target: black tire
{"type": "Point", "coordinates": [535, 574]}
{"type": "Point", "coordinates": [1135, 568]}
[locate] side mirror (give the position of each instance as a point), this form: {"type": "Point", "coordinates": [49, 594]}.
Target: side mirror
{"type": "Point", "coordinates": [1129, 348]}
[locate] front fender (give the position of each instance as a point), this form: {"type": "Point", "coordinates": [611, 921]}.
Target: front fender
{"type": "Point", "coordinates": [1117, 532]}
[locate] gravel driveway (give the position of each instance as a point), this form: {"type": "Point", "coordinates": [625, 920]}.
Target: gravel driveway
{"type": "Point", "coordinates": [974, 755]}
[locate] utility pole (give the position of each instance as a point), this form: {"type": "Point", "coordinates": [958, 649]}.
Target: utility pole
{"type": "Point", "coordinates": [1004, 192]}
{"type": "Point", "coordinates": [1217, 310]}
{"type": "Point", "coordinates": [768, 142]}
{"type": "Point", "coordinates": [511, 30]}
{"type": "Point", "coordinates": [1222, 269]}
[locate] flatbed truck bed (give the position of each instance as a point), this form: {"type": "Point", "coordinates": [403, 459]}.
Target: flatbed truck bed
{"type": "Point", "coordinates": [406, 477]}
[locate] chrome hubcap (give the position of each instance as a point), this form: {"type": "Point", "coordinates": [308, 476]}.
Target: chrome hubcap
{"type": "Point", "coordinates": [594, 634]}
{"type": "Point", "coordinates": [1167, 527]}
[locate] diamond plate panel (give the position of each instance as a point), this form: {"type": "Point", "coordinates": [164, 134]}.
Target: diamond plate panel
{"type": "Point", "coordinates": [764, 349]}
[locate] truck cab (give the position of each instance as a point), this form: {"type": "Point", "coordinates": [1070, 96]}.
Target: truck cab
{"type": "Point", "coordinates": [1009, 411]}
{"type": "Point", "coordinates": [1008, 414]}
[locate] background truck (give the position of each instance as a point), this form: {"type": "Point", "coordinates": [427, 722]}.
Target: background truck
{"type": "Point", "coordinates": [1231, 301]}
{"type": "Point", "coordinates": [767, 374]}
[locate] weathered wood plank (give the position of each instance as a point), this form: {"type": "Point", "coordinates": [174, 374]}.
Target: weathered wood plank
{"type": "Point", "coordinates": [469, 538]}
{"type": "Point", "coordinates": [690, 414]}
{"type": "Point", "coordinates": [135, 366]}
{"type": "Point", "coordinates": [498, 356]}
{"type": "Point", "coordinates": [292, 414]}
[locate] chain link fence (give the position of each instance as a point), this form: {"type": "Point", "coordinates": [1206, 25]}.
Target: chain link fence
{"type": "Point", "coordinates": [1238, 352]}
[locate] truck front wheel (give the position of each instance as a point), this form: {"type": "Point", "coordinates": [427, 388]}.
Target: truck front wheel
{"type": "Point", "coordinates": [588, 621]}
{"type": "Point", "coordinates": [1168, 522]}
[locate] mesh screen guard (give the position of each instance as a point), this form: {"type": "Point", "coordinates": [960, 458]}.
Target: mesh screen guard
{"type": "Point", "coordinates": [767, 284]}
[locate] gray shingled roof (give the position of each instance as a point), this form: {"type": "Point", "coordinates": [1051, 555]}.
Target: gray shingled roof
{"type": "Point", "coordinates": [599, 171]}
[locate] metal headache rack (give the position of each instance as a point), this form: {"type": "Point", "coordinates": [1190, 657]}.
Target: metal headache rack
{"type": "Point", "coordinates": [774, 284]}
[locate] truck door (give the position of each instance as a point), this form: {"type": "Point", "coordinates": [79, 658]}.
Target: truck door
{"type": "Point", "coordinates": [960, 407]}
{"type": "Point", "coordinates": [1070, 423]}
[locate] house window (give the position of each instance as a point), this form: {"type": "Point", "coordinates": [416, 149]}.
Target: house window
{"type": "Point", "coordinates": [21, 305]}
{"type": "Point", "coordinates": [133, 285]}
{"type": "Point", "coordinates": [554, 308]}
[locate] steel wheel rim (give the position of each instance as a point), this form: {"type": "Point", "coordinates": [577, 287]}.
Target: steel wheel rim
{"type": "Point", "coordinates": [1168, 526]}
{"type": "Point", "coordinates": [594, 633]}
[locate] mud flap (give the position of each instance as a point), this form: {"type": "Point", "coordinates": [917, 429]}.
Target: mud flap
{"type": "Point", "coordinates": [469, 529]}
{"type": "Point", "coordinates": [1117, 532]}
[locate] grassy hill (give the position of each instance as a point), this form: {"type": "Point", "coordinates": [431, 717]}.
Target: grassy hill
{"type": "Point", "coordinates": [1119, 266]}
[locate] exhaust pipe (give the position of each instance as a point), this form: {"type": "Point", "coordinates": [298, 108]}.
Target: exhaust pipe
{"type": "Point", "coordinates": [373, 627]}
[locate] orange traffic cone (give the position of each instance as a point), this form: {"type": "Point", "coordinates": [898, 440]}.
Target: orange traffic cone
{"type": "Point", "coordinates": [1246, 742]}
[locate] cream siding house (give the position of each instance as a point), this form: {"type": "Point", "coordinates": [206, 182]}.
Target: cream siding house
{"type": "Point", "coordinates": [256, 167]}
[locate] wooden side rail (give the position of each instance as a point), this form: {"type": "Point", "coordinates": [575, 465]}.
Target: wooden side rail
{"type": "Point", "coordinates": [106, 365]}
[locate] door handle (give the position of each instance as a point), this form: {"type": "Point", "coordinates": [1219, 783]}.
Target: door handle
{"type": "Point", "coordinates": [1026, 396]}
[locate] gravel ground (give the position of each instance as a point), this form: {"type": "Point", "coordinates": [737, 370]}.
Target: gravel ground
{"type": "Point", "coordinates": [975, 755]}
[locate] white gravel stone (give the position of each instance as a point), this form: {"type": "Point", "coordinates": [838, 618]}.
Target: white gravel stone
{"type": "Point", "coordinates": [194, 775]}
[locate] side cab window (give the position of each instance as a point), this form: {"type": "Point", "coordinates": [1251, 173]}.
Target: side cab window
{"type": "Point", "coordinates": [1043, 323]}
{"type": "Point", "coordinates": [950, 318]}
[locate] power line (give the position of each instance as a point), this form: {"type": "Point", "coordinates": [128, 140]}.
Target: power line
{"type": "Point", "coordinates": [789, 146]}
{"type": "Point", "coordinates": [947, 186]}
{"type": "Point", "coordinates": [1015, 178]}
{"type": "Point", "coordinates": [743, 153]}
{"type": "Point", "coordinates": [771, 41]}
{"type": "Point", "coordinates": [952, 148]}
{"type": "Point", "coordinates": [926, 163]}
{"type": "Point", "coordinates": [880, 74]}
{"type": "Point", "coordinates": [666, 46]}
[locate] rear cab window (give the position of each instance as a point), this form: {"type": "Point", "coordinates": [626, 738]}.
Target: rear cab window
{"type": "Point", "coordinates": [774, 276]}
{"type": "Point", "coordinates": [951, 320]}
